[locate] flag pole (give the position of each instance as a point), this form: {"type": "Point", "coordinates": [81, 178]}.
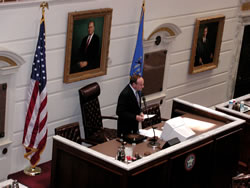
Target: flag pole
{"type": "Point", "coordinates": [34, 170]}
{"type": "Point", "coordinates": [44, 5]}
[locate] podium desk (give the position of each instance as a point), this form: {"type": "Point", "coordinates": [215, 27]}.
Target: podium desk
{"type": "Point", "coordinates": [208, 159]}
{"type": "Point", "coordinates": [245, 141]}
{"type": "Point", "coordinates": [110, 148]}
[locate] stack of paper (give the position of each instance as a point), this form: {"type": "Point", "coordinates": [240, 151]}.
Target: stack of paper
{"type": "Point", "coordinates": [176, 127]}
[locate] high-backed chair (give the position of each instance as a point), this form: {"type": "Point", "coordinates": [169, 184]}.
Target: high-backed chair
{"type": "Point", "coordinates": [152, 109]}
{"type": "Point", "coordinates": [70, 131]}
{"type": "Point", "coordinates": [91, 116]}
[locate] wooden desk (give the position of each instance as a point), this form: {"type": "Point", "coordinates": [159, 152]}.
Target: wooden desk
{"type": "Point", "coordinates": [207, 160]}
{"type": "Point", "coordinates": [245, 141]}
{"type": "Point", "coordinates": [110, 148]}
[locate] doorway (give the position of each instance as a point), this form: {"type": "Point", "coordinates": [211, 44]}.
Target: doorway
{"type": "Point", "coordinates": [242, 85]}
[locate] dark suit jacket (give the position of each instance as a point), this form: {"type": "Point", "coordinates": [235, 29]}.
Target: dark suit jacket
{"type": "Point", "coordinates": [91, 54]}
{"type": "Point", "coordinates": [127, 109]}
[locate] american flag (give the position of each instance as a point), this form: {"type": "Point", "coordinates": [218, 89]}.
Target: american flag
{"type": "Point", "coordinates": [35, 128]}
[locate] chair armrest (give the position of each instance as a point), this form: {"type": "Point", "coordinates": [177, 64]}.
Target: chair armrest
{"type": "Point", "coordinates": [110, 117]}
{"type": "Point", "coordinates": [92, 143]}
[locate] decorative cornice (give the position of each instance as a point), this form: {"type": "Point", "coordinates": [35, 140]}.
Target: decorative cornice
{"type": "Point", "coordinates": [8, 60]}
{"type": "Point", "coordinates": [171, 30]}
{"type": "Point", "coordinates": [12, 59]}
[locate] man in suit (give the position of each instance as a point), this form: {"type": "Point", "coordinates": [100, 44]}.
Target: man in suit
{"type": "Point", "coordinates": [88, 57]}
{"type": "Point", "coordinates": [204, 54]}
{"type": "Point", "coordinates": [129, 107]}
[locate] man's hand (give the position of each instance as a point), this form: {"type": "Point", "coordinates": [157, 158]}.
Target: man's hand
{"type": "Point", "coordinates": [83, 64]}
{"type": "Point", "coordinates": [200, 61]}
{"type": "Point", "coordinates": [140, 118]}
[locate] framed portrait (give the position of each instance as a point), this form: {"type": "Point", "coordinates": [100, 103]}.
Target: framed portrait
{"type": "Point", "coordinates": [206, 43]}
{"type": "Point", "coordinates": [87, 44]}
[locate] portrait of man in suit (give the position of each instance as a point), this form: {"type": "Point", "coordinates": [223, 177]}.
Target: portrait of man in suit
{"type": "Point", "coordinates": [89, 50]}
{"type": "Point", "coordinates": [87, 44]}
{"type": "Point", "coordinates": [86, 54]}
{"type": "Point", "coordinates": [206, 44]}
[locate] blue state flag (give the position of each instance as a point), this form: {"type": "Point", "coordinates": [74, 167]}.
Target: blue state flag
{"type": "Point", "coordinates": [137, 63]}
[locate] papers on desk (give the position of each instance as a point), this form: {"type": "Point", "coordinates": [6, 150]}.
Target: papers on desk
{"type": "Point", "coordinates": [146, 116]}
{"type": "Point", "coordinates": [197, 125]}
{"type": "Point", "coordinates": [150, 133]}
{"type": "Point", "coordinates": [176, 127]}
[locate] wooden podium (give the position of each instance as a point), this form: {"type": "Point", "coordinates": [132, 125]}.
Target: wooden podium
{"type": "Point", "coordinates": [208, 159]}
{"type": "Point", "coordinates": [245, 139]}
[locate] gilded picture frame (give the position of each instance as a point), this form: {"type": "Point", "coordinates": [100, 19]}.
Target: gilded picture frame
{"type": "Point", "coordinates": [206, 43]}
{"type": "Point", "coordinates": [86, 54]}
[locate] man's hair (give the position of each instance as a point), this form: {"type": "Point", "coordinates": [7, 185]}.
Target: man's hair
{"type": "Point", "coordinates": [134, 78]}
{"type": "Point", "coordinates": [205, 26]}
{"type": "Point", "coordinates": [91, 21]}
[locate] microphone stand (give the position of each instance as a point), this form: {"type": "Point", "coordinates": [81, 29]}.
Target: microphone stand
{"type": "Point", "coordinates": [153, 141]}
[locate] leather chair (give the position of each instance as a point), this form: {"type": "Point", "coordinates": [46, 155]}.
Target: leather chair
{"type": "Point", "coordinates": [94, 131]}
{"type": "Point", "coordinates": [152, 109]}
{"type": "Point", "coordinates": [70, 131]}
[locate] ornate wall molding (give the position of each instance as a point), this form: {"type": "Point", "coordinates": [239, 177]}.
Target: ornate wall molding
{"type": "Point", "coordinates": [9, 61]}
{"type": "Point", "coordinates": [161, 39]}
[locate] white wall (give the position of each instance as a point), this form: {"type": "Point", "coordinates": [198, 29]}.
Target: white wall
{"type": "Point", "coordinates": [19, 30]}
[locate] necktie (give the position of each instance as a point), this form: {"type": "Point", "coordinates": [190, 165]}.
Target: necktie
{"type": "Point", "coordinates": [137, 98]}
{"type": "Point", "coordinates": [87, 43]}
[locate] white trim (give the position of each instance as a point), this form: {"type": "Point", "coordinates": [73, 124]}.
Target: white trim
{"type": "Point", "coordinates": [8, 75]}
{"type": "Point", "coordinates": [5, 70]}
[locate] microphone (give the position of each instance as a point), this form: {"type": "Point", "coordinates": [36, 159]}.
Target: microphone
{"type": "Point", "coordinates": [153, 140]}
{"type": "Point", "coordinates": [144, 101]}
{"type": "Point", "coordinates": [146, 108]}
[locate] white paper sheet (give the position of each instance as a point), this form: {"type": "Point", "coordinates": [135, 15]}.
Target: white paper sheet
{"type": "Point", "coordinates": [146, 116]}
{"type": "Point", "coordinates": [150, 133]}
